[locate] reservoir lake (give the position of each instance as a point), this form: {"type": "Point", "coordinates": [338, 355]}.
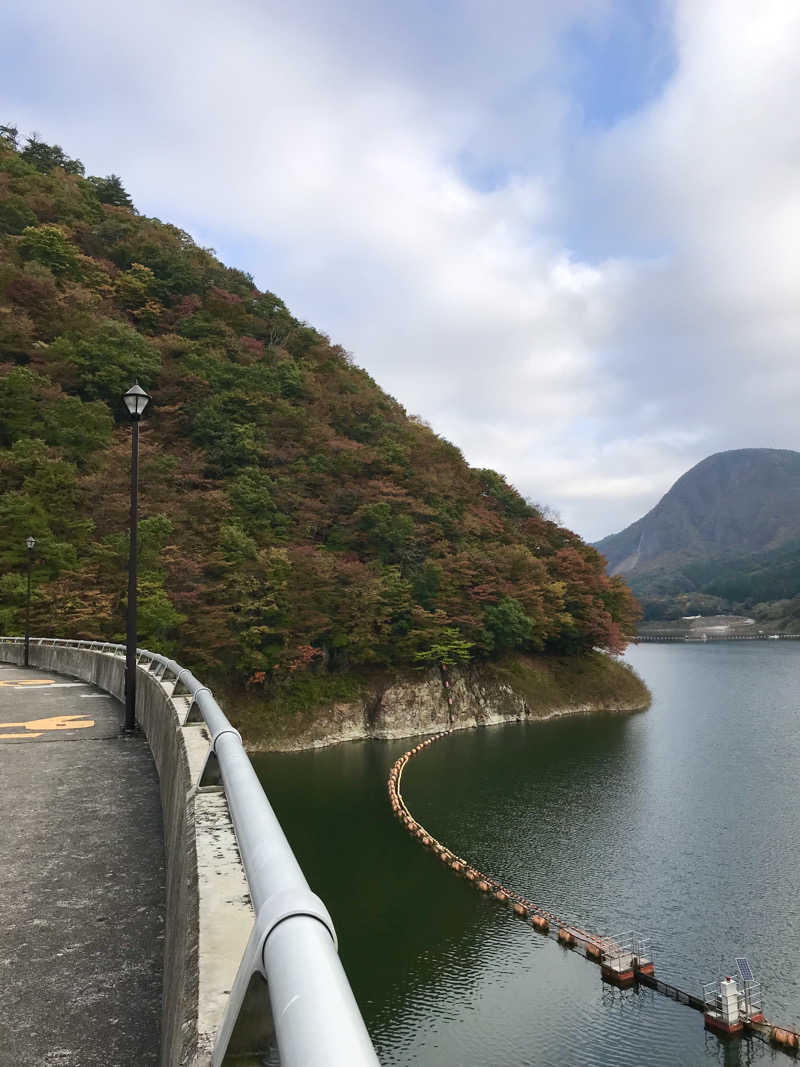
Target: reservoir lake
{"type": "Point", "coordinates": [681, 823]}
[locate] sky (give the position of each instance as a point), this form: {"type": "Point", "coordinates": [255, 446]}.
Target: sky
{"type": "Point", "coordinates": [565, 235]}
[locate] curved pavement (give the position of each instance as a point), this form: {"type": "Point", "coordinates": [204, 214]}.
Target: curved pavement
{"type": "Point", "coordinates": [83, 901]}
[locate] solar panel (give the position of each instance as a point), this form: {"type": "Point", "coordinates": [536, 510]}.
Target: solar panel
{"type": "Point", "coordinates": [744, 969]}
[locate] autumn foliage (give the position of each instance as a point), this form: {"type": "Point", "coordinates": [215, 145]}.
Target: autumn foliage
{"type": "Point", "coordinates": [294, 518]}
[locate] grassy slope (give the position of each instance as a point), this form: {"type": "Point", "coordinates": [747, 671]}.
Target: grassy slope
{"type": "Point", "coordinates": [595, 680]}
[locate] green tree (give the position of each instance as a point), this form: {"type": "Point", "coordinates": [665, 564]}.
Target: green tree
{"type": "Point", "coordinates": [102, 361]}
{"type": "Point", "coordinates": [158, 619]}
{"type": "Point", "coordinates": [50, 246]}
{"type": "Point", "coordinates": [449, 647]}
{"type": "Point", "coordinates": [47, 156]}
{"type": "Point", "coordinates": [29, 400]}
{"type": "Point", "coordinates": [8, 135]}
{"type": "Point", "coordinates": [134, 287]}
{"type": "Point", "coordinates": [110, 190]}
{"type": "Point", "coordinates": [15, 215]}
{"type": "Point", "coordinates": [507, 626]}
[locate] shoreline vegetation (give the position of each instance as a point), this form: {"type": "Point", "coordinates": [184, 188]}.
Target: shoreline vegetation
{"type": "Point", "coordinates": [383, 705]}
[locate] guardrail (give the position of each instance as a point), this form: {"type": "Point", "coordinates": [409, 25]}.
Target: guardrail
{"type": "Point", "coordinates": [693, 637]}
{"type": "Point", "coordinates": [315, 1018]}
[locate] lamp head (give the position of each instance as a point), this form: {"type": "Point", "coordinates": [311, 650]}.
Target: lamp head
{"type": "Point", "coordinates": [30, 542]}
{"type": "Point", "coordinates": [136, 400]}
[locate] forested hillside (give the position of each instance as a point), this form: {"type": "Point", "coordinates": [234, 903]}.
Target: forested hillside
{"type": "Point", "coordinates": [724, 539]}
{"type": "Point", "coordinates": [294, 518]}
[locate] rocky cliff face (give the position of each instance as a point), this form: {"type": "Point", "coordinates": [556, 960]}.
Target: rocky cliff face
{"type": "Point", "coordinates": [480, 697]}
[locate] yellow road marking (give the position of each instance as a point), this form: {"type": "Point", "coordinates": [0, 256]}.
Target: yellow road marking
{"type": "Point", "coordinates": [5, 737]}
{"type": "Point", "coordinates": [58, 722]}
{"type": "Point", "coordinates": [27, 681]}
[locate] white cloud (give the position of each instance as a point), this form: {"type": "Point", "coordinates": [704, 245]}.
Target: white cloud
{"type": "Point", "coordinates": [589, 310]}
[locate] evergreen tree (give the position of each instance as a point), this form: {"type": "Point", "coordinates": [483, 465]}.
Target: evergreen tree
{"type": "Point", "coordinates": [110, 190]}
{"type": "Point", "coordinates": [45, 156]}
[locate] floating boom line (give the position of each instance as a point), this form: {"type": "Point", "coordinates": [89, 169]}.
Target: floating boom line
{"type": "Point", "coordinates": [621, 959]}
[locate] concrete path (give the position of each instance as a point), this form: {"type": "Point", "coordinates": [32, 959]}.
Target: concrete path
{"type": "Point", "coordinates": [82, 875]}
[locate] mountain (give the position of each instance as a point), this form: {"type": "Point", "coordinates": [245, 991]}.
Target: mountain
{"type": "Point", "coordinates": [743, 501]}
{"type": "Point", "coordinates": [728, 530]}
{"type": "Point", "coordinates": [296, 524]}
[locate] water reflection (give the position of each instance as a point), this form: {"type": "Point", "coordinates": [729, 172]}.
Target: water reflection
{"type": "Point", "coordinates": [738, 1052]}
{"type": "Point", "coordinates": [680, 823]}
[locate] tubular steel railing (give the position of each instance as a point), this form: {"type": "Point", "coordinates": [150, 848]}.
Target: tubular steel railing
{"type": "Point", "coordinates": [316, 1020]}
{"type": "Point", "coordinates": [748, 993]}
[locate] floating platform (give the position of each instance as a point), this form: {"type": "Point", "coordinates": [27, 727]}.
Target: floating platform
{"type": "Point", "coordinates": [717, 1025]}
{"type": "Point", "coordinates": [733, 1004]}
{"type": "Point", "coordinates": [624, 959]}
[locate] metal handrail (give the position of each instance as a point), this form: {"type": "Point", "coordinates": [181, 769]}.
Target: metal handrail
{"type": "Point", "coordinates": [315, 1016]}
{"type": "Point", "coordinates": [749, 994]}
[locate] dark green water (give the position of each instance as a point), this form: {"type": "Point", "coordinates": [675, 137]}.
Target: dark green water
{"type": "Point", "coordinates": [681, 823]}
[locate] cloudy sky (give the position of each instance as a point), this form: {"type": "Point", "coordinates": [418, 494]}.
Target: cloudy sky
{"type": "Point", "coordinates": [567, 235]}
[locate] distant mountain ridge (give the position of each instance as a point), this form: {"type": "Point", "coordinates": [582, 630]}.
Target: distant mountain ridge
{"type": "Point", "coordinates": [742, 502]}
{"type": "Point", "coordinates": [724, 539]}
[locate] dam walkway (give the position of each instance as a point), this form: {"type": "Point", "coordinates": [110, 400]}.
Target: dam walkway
{"type": "Point", "coordinates": [83, 905]}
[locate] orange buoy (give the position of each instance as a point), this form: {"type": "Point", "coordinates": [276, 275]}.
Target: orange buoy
{"type": "Point", "coordinates": [540, 923]}
{"type": "Point", "coordinates": [520, 910]}
{"type": "Point", "coordinates": [593, 952]}
{"type": "Point", "coordinates": [501, 895]}
{"type": "Point", "coordinates": [484, 887]}
{"type": "Point", "coordinates": [566, 938]}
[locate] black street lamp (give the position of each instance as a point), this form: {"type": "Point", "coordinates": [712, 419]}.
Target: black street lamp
{"type": "Point", "coordinates": [31, 543]}
{"type": "Point", "coordinates": [136, 400]}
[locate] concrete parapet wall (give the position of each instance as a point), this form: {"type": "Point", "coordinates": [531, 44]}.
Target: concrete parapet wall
{"type": "Point", "coordinates": [209, 915]}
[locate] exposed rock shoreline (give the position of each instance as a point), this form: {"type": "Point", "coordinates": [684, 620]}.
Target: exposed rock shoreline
{"type": "Point", "coordinates": [529, 689]}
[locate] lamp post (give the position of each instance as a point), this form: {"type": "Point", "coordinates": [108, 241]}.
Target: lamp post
{"type": "Point", "coordinates": [135, 400]}
{"type": "Point", "coordinates": [31, 543]}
